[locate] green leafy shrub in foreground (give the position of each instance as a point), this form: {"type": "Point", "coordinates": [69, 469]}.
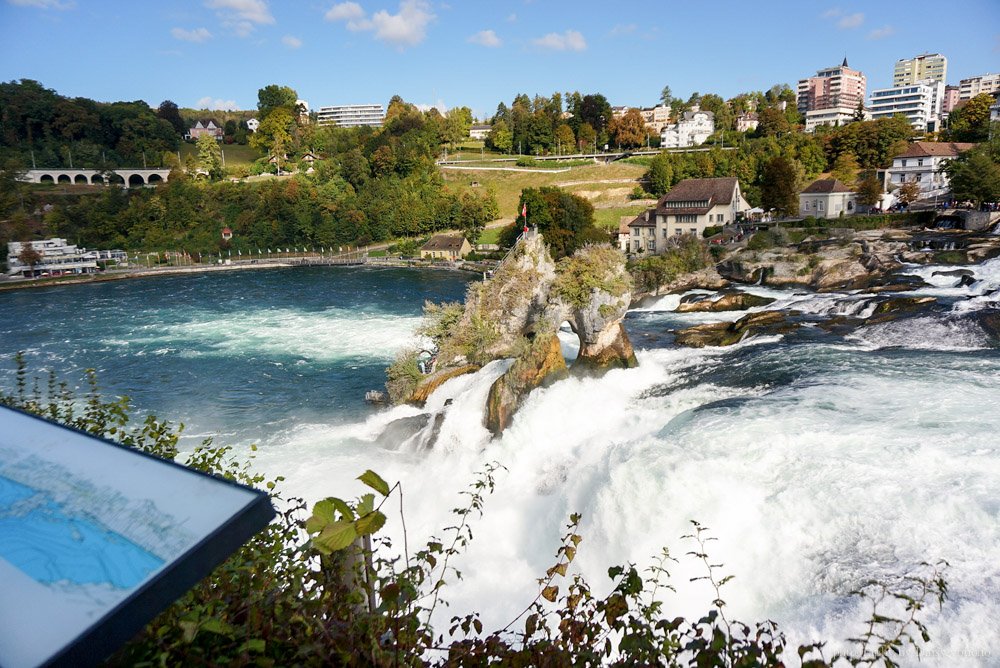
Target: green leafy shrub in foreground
{"type": "Point", "coordinates": [328, 589]}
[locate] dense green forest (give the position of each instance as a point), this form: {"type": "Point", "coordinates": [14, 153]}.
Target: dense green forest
{"type": "Point", "coordinates": [367, 185]}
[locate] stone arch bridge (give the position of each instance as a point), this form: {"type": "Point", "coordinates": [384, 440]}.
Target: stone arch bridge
{"type": "Point", "coordinates": [84, 177]}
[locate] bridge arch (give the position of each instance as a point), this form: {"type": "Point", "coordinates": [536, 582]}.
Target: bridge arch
{"type": "Point", "coordinates": [97, 179]}
{"type": "Point", "coordinates": [155, 179]}
{"type": "Point", "coordinates": [136, 180]}
{"type": "Point", "coordinates": [46, 178]}
{"type": "Point", "coordinates": [80, 179]}
{"type": "Point", "coordinates": [64, 178]}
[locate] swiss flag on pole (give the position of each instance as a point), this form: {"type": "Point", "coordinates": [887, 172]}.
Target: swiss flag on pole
{"type": "Point", "coordinates": [524, 214]}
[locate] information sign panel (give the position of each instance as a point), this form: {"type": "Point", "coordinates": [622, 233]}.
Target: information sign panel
{"type": "Point", "coordinates": [97, 538]}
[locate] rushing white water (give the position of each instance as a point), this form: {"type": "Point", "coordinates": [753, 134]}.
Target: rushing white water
{"type": "Point", "coordinates": [817, 465]}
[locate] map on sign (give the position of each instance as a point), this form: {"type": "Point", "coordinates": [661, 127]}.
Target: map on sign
{"type": "Point", "coordinates": [87, 526]}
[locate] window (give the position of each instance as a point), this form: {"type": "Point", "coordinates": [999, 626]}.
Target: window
{"type": "Point", "coordinates": [636, 245]}
{"type": "Point", "coordinates": [920, 162]}
{"type": "Point", "coordinates": [687, 218]}
{"type": "Point", "coordinates": [651, 245]}
{"type": "Point", "coordinates": [904, 162]}
{"type": "Point", "coordinates": [665, 235]}
{"type": "Point", "coordinates": [678, 232]}
{"type": "Point", "coordinates": [693, 230]}
{"type": "Point", "coordinates": [819, 205]}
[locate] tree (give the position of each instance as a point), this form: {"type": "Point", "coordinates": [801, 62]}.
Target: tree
{"type": "Point", "coordinates": [909, 191]}
{"type": "Point", "coordinates": [458, 122]}
{"type": "Point", "coordinates": [780, 187]}
{"type": "Point", "coordinates": [586, 136]}
{"type": "Point", "coordinates": [29, 256]}
{"type": "Point", "coordinates": [209, 156]}
{"type": "Point", "coordinates": [274, 135]}
{"type": "Point", "coordinates": [500, 137]}
{"type": "Point", "coordinates": [724, 117]}
{"type": "Point", "coordinates": [666, 97]}
{"type": "Point", "coordinates": [565, 139]}
{"type": "Point", "coordinates": [846, 168]}
{"type": "Point", "coordinates": [274, 97]}
{"type": "Point", "coordinates": [660, 175]}
{"type": "Point", "coordinates": [772, 122]}
{"type": "Point", "coordinates": [970, 122]}
{"type": "Point", "coordinates": [595, 110]}
{"type": "Point", "coordinates": [859, 112]}
{"type": "Point", "coordinates": [628, 130]}
{"type": "Point", "coordinates": [975, 175]}
{"type": "Point", "coordinates": [169, 112]}
{"type": "Point", "coordinates": [869, 191]}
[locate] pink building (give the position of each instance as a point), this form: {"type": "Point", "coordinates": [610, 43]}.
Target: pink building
{"type": "Point", "coordinates": [831, 88]}
{"type": "Point", "coordinates": [949, 99]}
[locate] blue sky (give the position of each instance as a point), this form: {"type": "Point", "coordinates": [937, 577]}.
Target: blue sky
{"type": "Point", "coordinates": [217, 53]}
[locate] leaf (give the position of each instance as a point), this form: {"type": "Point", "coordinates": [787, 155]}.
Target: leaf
{"type": "Point", "coordinates": [190, 630]}
{"type": "Point", "coordinates": [214, 625]}
{"type": "Point", "coordinates": [530, 624]}
{"type": "Point", "coordinates": [324, 513]}
{"type": "Point", "coordinates": [375, 481]}
{"type": "Point", "coordinates": [366, 504]}
{"type": "Point", "coordinates": [479, 626]}
{"type": "Point", "coordinates": [550, 593]}
{"type": "Point", "coordinates": [558, 568]}
{"type": "Point", "coordinates": [370, 523]}
{"type": "Point", "coordinates": [336, 536]}
{"type": "Point", "coordinates": [570, 553]}
{"type": "Point", "coordinates": [255, 645]}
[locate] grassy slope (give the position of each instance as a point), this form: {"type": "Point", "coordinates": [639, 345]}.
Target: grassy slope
{"type": "Point", "coordinates": [507, 186]}
{"type": "Point", "coordinates": [235, 153]}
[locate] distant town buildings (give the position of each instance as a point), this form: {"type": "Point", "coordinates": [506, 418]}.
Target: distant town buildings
{"type": "Point", "coordinates": [831, 97]}
{"type": "Point", "coordinates": [920, 102]}
{"type": "Point", "coordinates": [205, 128]}
{"type": "Point", "coordinates": [689, 207]}
{"type": "Point", "coordinates": [351, 115]}
{"type": "Point", "coordinates": [691, 129]}
{"type": "Point", "coordinates": [655, 118]}
{"type": "Point", "coordinates": [922, 164]}
{"type": "Point", "coordinates": [931, 66]}
{"type": "Point", "coordinates": [57, 258]}
{"type": "Point", "coordinates": [480, 131]}
{"type": "Point", "coordinates": [747, 122]}
{"type": "Point", "coordinates": [949, 100]}
{"type": "Point", "coordinates": [827, 198]}
{"type": "Point", "coordinates": [973, 86]}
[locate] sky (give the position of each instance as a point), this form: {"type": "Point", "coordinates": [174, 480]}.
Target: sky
{"type": "Point", "coordinates": [216, 54]}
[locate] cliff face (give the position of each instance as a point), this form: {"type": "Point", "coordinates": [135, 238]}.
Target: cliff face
{"type": "Point", "coordinates": [517, 313]}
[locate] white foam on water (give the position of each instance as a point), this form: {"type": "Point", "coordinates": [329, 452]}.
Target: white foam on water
{"type": "Point", "coordinates": [923, 333]}
{"type": "Point", "coordinates": [327, 335]}
{"type": "Point", "coordinates": [861, 470]}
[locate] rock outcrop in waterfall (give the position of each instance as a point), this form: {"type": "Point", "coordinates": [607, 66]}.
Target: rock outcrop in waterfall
{"type": "Point", "coordinates": [516, 314]}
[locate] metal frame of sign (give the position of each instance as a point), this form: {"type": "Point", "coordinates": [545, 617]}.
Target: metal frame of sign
{"type": "Point", "coordinates": [173, 579]}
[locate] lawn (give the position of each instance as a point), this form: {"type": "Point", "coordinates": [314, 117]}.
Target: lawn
{"type": "Point", "coordinates": [609, 218]}
{"type": "Point", "coordinates": [236, 154]}
{"type": "Point", "coordinates": [507, 186]}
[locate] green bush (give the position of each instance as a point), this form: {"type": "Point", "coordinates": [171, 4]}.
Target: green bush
{"type": "Point", "coordinates": [711, 231]}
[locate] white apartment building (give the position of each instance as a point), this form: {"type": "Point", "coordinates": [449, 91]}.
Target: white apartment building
{"type": "Point", "coordinates": [973, 86]}
{"type": "Point", "coordinates": [693, 128]}
{"type": "Point", "coordinates": [931, 66]}
{"type": "Point", "coordinates": [920, 103]}
{"type": "Point", "coordinates": [922, 164]}
{"type": "Point", "coordinates": [57, 258]}
{"type": "Point", "coordinates": [351, 115]}
{"type": "Point", "coordinates": [833, 116]}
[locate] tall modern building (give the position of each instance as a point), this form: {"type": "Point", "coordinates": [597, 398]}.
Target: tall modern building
{"type": "Point", "coordinates": [973, 86]}
{"type": "Point", "coordinates": [919, 102]}
{"type": "Point", "coordinates": [931, 66]}
{"type": "Point", "coordinates": [831, 97]}
{"type": "Point", "coordinates": [950, 99]}
{"type": "Point", "coordinates": [351, 115]}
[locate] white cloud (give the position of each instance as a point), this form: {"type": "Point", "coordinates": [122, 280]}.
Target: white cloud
{"type": "Point", "coordinates": [439, 105]}
{"type": "Point", "coordinates": [197, 35]}
{"type": "Point", "coordinates": [512, 18]}
{"type": "Point", "coordinates": [345, 11]}
{"type": "Point", "coordinates": [291, 42]}
{"type": "Point", "coordinates": [208, 102]}
{"type": "Point", "coordinates": [486, 38]}
{"type": "Point", "coordinates": [571, 40]}
{"type": "Point", "coordinates": [241, 16]}
{"type": "Point", "coordinates": [622, 30]}
{"type": "Point", "coordinates": [832, 13]}
{"type": "Point", "coordinates": [881, 33]}
{"type": "Point", "coordinates": [407, 28]}
{"type": "Point", "coordinates": [851, 21]}
{"type": "Point", "coordinates": [44, 4]}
